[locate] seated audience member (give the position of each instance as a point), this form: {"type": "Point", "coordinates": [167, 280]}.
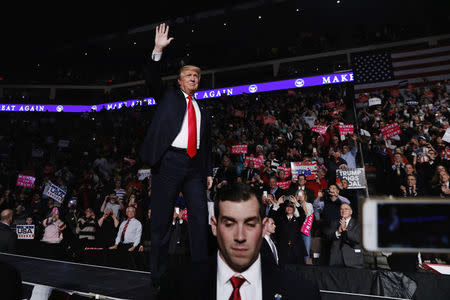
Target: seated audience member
{"type": "Point", "coordinates": [53, 235]}
{"type": "Point", "coordinates": [108, 225]}
{"type": "Point", "coordinates": [238, 271]}
{"type": "Point", "coordinates": [128, 238]}
{"type": "Point", "coordinates": [120, 192]}
{"type": "Point", "coordinates": [268, 247]}
{"type": "Point", "coordinates": [88, 226]}
{"type": "Point", "coordinates": [308, 210]}
{"type": "Point", "coordinates": [345, 234]}
{"type": "Point", "coordinates": [442, 189]}
{"type": "Point", "coordinates": [113, 203]}
{"type": "Point", "coordinates": [289, 221]}
{"type": "Point", "coordinates": [8, 238]}
{"type": "Point", "coordinates": [411, 189]}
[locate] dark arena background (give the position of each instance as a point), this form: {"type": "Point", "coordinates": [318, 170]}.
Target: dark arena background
{"type": "Point", "coordinates": [344, 100]}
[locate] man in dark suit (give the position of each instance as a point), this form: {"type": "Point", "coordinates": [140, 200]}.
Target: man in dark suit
{"type": "Point", "coordinates": [11, 282]}
{"type": "Point", "coordinates": [178, 148]}
{"type": "Point", "coordinates": [268, 248]}
{"type": "Point", "coordinates": [346, 250]}
{"type": "Point", "coordinates": [301, 185]}
{"type": "Point", "coordinates": [238, 271]}
{"type": "Point", "coordinates": [8, 238]}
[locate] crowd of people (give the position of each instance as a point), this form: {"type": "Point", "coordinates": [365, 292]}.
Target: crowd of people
{"type": "Point", "coordinates": [107, 209]}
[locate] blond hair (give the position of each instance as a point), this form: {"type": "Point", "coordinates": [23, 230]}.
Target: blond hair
{"type": "Point", "coordinates": [189, 67]}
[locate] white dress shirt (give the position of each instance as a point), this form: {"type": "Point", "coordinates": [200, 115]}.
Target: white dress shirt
{"type": "Point", "coordinates": [181, 140]}
{"type": "Point", "coordinates": [251, 289]}
{"type": "Point", "coordinates": [132, 234]}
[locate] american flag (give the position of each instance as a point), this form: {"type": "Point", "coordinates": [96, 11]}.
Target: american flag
{"type": "Point", "coordinates": [411, 66]}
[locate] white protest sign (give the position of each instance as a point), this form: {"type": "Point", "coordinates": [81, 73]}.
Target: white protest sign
{"type": "Point", "coordinates": [144, 173]}
{"type": "Point", "coordinates": [446, 136]}
{"type": "Point", "coordinates": [356, 177]}
{"type": "Point", "coordinates": [54, 192]}
{"type": "Point", "coordinates": [374, 101]}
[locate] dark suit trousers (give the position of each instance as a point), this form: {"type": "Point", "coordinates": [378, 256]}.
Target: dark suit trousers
{"type": "Point", "coordinates": [177, 172]}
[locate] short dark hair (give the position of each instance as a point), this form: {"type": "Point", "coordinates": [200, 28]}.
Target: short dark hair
{"type": "Point", "coordinates": [236, 192]}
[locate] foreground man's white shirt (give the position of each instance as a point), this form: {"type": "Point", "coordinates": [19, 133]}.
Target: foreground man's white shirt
{"type": "Point", "coordinates": [251, 289]}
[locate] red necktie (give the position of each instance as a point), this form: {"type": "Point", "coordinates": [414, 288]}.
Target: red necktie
{"type": "Point", "coordinates": [123, 231]}
{"type": "Point", "coordinates": [236, 282]}
{"type": "Point", "coordinates": [192, 128]}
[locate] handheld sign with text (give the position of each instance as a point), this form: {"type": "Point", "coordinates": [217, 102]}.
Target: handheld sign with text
{"type": "Point", "coordinates": [390, 130]}
{"type": "Point", "coordinates": [25, 232]}
{"type": "Point", "coordinates": [25, 181]}
{"type": "Point", "coordinates": [144, 173]}
{"type": "Point", "coordinates": [356, 177]}
{"type": "Point", "coordinates": [310, 121]}
{"type": "Point", "coordinates": [284, 185]}
{"type": "Point", "coordinates": [322, 129]}
{"type": "Point", "coordinates": [287, 171]}
{"type": "Point", "coordinates": [238, 149]}
{"type": "Point", "coordinates": [374, 101]}
{"type": "Point", "coordinates": [346, 129]}
{"type": "Point", "coordinates": [256, 160]}
{"type": "Point", "coordinates": [306, 227]}
{"type": "Point", "coordinates": [54, 192]}
{"type": "Point", "coordinates": [309, 169]}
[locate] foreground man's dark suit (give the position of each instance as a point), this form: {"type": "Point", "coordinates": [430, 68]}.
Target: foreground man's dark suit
{"type": "Point", "coordinates": [174, 171]}
{"type": "Point", "coordinates": [11, 282]}
{"type": "Point", "coordinates": [200, 279]}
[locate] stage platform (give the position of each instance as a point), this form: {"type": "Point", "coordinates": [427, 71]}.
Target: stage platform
{"type": "Point", "coordinates": [113, 283]}
{"type": "Point", "coordinates": [105, 281]}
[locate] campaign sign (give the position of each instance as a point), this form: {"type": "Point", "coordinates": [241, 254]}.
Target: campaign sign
{"type": "Point", "coordinates": [269, 120]}
{"type": "Point", "coordinates": [306, 227]}
{"type": "Point", "coordinates": [25, 232]}
{"type": "Point", "coordinates": [390, 130]}
{"type": "Point", "coordinates": [238, 149]}
{"type": "Point", "coordinates": [374, 101]}
{"type": "Point", "coordinates": [322, 129]}
{"type": "Point", "coordinates": [256, 160]}
{"type": "Point", "coordinates": [356, 177]}
{"type": "Point", "coordinates": [284, 185]}
{"type": "Point", "coordinates": [144, 173]}
{"type": "Point", "coordinates": [309, 169]}
{"type": "Point", "coordinates": [412, 102]}
{"type": "Point", "coordinates": [346, 129]}
{"type": "Point", "coordinates": [54, 192]}
{"type": "Point", "coordinates": [25, 181]}
{"type": "Point", "coordinates": [287, 171]}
